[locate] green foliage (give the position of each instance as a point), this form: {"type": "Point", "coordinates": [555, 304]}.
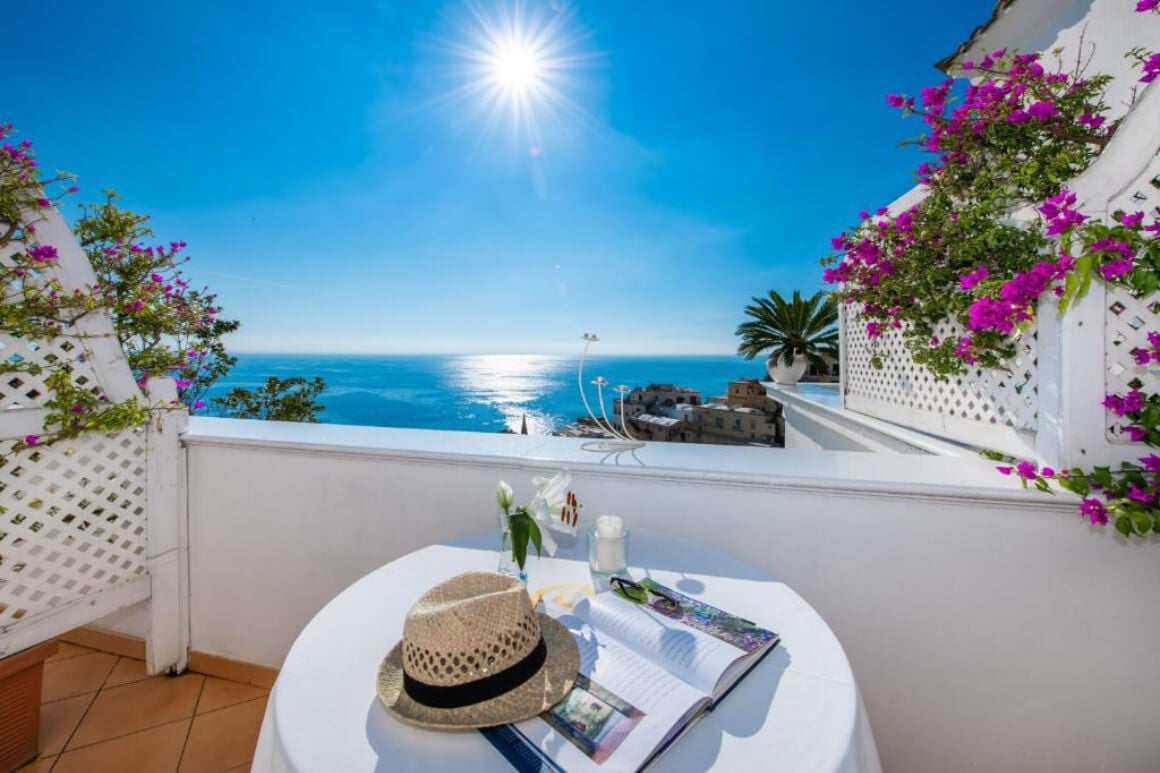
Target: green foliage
{"type": "Point", "coordinates": [990, 159]}
{"type": "Point", "coordinates": [38, 309]}
{"type": "Point", "coordinates": [524, 528]}
{"type": "Point", "coordinates": [290, 399]}
{"type": "Point", "coordinates": [165, 327]}
{"type": "Point", "coordinates": [800, 326]}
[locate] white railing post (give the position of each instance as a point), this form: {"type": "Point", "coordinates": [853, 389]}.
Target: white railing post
{"type": "Point", "coordinates": [167, 648]}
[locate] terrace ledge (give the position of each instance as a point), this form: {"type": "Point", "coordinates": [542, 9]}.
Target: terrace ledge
{"type": "Point", "coordinates": [823, 402]}
{"type": "Point", "coordinates": [831, 472]}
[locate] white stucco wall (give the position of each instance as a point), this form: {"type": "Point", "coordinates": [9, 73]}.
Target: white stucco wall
{"type": "Point", "coordinates": [1098, 32]}
{"type": "Point", "coordinates": [989, 630]}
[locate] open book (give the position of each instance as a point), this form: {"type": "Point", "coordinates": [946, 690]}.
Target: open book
{"type": "Point", "coordinates": [647, 672]}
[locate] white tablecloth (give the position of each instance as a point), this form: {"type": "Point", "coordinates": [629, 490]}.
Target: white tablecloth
{"type": "Point", "coordinates": [799, 710]}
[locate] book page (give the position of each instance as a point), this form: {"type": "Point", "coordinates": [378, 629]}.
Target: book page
{"type": "Point", "coordinates": [622, 708]}
{"type": "Point", "coordinates": [691, 655]}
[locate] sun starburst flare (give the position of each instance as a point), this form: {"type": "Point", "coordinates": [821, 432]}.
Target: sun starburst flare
{"type": "Point", "coordinates": [516, 64]}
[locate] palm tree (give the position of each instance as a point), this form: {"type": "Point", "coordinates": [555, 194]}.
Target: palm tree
{"type": "Point", "coordinates": [786, 329]}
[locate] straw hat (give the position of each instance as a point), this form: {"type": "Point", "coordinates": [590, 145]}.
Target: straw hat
{"type": "Point", "coordinates": [475, 654]}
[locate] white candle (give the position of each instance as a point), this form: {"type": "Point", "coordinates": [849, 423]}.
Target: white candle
{"type": "Point", "coordinates": [610, 544]}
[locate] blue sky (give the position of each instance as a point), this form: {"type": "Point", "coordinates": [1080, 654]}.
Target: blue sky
{"type": "Point", "coordinates": [338, 200]}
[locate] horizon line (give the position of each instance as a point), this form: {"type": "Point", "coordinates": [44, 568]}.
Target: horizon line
{"type": "Point", "coordinates": [484, 354]}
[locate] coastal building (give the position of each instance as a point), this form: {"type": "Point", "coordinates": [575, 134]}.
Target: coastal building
{"type": "Point", "coordinates": [745, 414]}
{"type": "Point", "coordinates": [733, 425]}
{"type": "Point", "coordinates": [656, 399]}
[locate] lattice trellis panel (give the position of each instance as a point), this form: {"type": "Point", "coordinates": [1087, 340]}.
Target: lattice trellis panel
{"type": "Point", "coordinates": [972, 409]}
{"type": "Point", "coordinates": [73, 520]}
{"type": "Point", "coordinates": [1127, 320]}
{"type": "Point", "coordinates": [24, 389]}
{"type": "Point", "coordinates": [73, 515]}
{"type": "Point", "coordinates": [1126, 324]}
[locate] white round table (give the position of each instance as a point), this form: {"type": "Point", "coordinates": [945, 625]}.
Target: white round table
{"type": "Point", "coordinates": [798, 710]}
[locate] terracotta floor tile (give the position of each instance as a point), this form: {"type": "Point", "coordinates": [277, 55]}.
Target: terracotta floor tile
{"type": "Point", "coordinates": [41, 764]}
{"type": "Point", "coordinates": [126, 671]}
{"type": "Point", "coordinates": [223, 739]}
{"type": "Point", "coordinates": [75, 676]}
{"type": "Point", "coordinates": [69, 651]}
{"type": "Point", "coordinates": [219, 693]}
{"type": "Point", "coordinates": [157, 750]}
{"type": "Point", "coordinates": [132, 707]}
{"type": "Point", "coordinates": [58, 720]}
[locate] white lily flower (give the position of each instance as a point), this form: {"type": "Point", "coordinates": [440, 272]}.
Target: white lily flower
{"type": "Point", "coordinates": [504, 496]}
{"type": "Point", "coordinates": [554, 507]}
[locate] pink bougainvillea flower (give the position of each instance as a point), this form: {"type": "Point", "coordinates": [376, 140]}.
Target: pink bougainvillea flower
{"type": "Point", "coordinates": [1116, 268]}
{"type": "Point", "coordinates": [1061, 213]}
{"type": "Point", "coordinates": [31, 439]}
{"type": "Point", "coordinates": [1005, 469]}
{"type": "Point", "coordinates": [1026, 470]}
{"type": "Point", "coordinates": [1141, 495]}
{"type": "Point", "coordinates": [43, 253]}
{"type": "Point", "coordinates": [1043, 110]}
{"type": "Point", "coordinates": [968, 281]}
{"type": "Point", "coordinates": [1091, 120]}
{"type": "Point", "coordinates": [965, 350]}
{"type": "Point", "coordinates": [1151, 68]}
{"type": "Point", "coordinates": [1151, 462]}
{"type": "Point", "coordinates": [1136, 434]}
{"type": "Point", "coordinates": [1094, 509]}
{"type": "Point", "coordinates": [1132, 220]}
{"type": "Point", "coordinates": [1129, 403]}
{"type": "Point", "coordinates": [1143, 6]}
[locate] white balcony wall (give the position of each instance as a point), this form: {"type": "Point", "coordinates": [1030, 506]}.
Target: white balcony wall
{"type": "Point", "coordinates": [987, 627]}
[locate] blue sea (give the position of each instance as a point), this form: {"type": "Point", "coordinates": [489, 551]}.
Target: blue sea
{"type": "Point", "coordinates": [483, 393]}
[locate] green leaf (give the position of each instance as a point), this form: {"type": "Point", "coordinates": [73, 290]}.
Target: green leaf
{"type": "Point", "coordinates": [1076, 483]}
{"type": "Point", "coordinates": [1102, 476]}
{"type": "Point", "coordinates": [1084, 266]}
{"type": "Point", "coordinates": [520, 532]}
{"type": "Point", "coordinates": [536, 535]}
{"type": "Point", "coordinates": [1142, 522]}
{"type": "Point", "coordinates": [1124, 526]}
{"type": "Point", "coordinates": [1070, 286]}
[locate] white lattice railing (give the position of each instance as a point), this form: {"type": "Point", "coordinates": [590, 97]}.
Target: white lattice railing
{"type": "Point", "coordinates": [1047, 402]}
{"type": "Point", "coordinates": [984, 408]}
{"type": "Point", "coordinates": [88, 525]}
{"type": "Point", "coordinates": [1127, 320]}
{"type": "Point", "coordinates": [74, 521]}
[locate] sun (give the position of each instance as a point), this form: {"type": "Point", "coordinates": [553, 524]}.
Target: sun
{"type": "Point", "coordinates": [516, 63]}
{"type": "Point", "coordinates": [517, 68]}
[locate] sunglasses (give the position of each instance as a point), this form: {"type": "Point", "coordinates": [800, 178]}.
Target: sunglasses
{"type": "Point", "coordinates": [639, 594]}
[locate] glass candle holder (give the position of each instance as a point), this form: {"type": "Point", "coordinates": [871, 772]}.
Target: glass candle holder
{"type": "Point", "coordinates": [607, 555]}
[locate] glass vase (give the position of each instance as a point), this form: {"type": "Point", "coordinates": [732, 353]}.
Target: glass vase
{"type": "Point", "coordinates": [507, 563]}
